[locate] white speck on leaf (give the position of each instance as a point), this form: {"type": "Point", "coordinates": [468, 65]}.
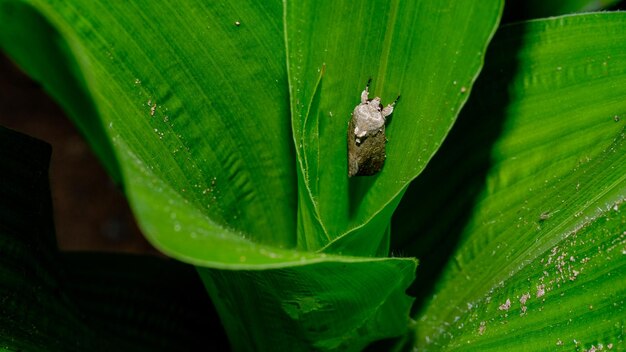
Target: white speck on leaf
{"type": "Point", "coordinates": [524, 298]}
{"type": "Point", "coordinates": [541, 290]}
{"type": "Point", "coordinates": [506, 305]}
{"type": "Point", "coordinates": [482, 327]}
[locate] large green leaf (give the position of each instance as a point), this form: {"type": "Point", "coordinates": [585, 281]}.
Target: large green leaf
{"type": "Point", "coordinates": [429, 52]}
{"type": "Point", "coordinates": [78, 302]}
{"type": "Point", "coordinates": [535, 177]}
{"type": "Point", "coordinates": [194, 101]}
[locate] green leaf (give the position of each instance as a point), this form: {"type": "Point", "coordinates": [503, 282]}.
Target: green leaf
{"type": "Point", "coordinates": [333, 48]}
{"type": "Point", "coordinates": [331, 306]}
{"type": "Point", "coordinates": [536, 180]}
{"type": "Point", "coordinates": [166, 96]}
{"type": "Point", "coordinates": [76, 302]}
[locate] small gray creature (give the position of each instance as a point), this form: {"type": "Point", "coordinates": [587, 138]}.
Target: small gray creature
{"type": "Point", "coordinates": [366, 135]}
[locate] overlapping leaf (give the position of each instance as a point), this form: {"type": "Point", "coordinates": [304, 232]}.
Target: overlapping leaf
{"type": "Point", "coordinates": [536, 175]}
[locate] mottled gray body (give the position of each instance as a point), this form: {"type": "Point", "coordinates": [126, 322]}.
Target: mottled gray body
{"type": "Point", "coordinates": [366, 136]}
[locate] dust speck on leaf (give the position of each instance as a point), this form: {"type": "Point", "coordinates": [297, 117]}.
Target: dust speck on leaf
{"type": "Point", "coordinates": [545, 216]}
{"type": "Point", "coordinates": [541, 290]}
{"type": "Point", "coordinates": [524, 298]}
{"type": "Point", "coordinates": [506, 305]}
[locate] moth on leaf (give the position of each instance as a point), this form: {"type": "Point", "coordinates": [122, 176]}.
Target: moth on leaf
{"type": "Point", "coordinates": [366, 135]}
